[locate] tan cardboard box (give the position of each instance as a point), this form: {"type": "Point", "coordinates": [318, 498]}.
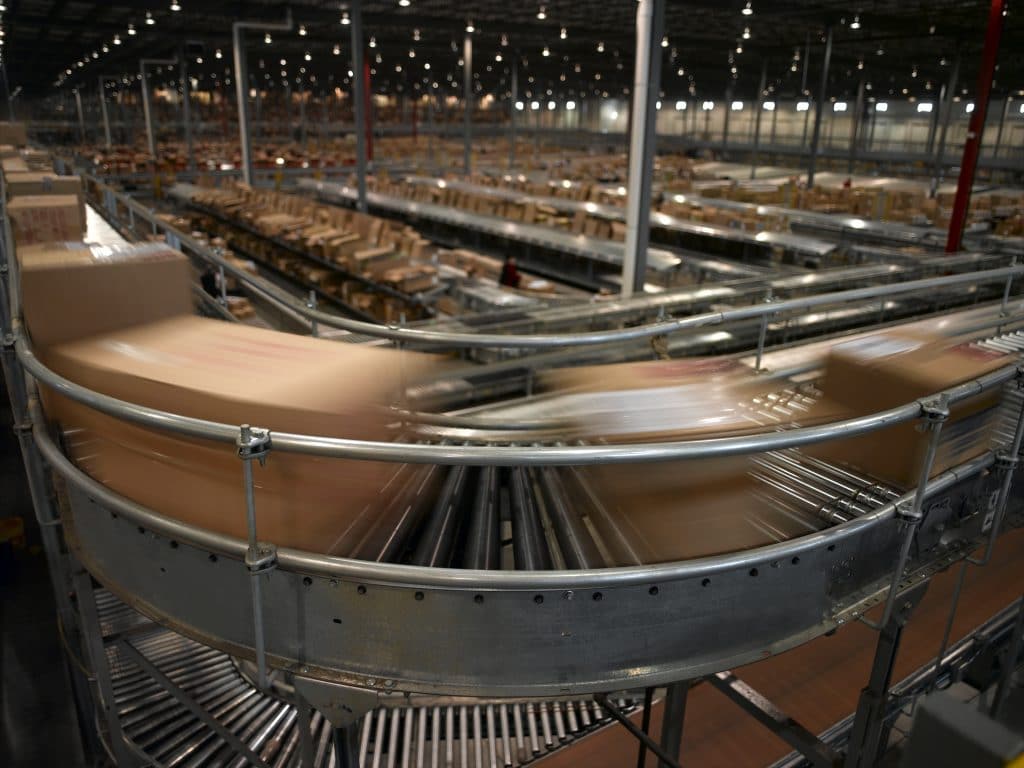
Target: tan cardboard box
{"type": "Point", "coordinates": [886, 370]}
{"type": "Point", "coordinates": [41, 183]}
{"type": "Point", "coordinates": [14, 165]}
{"type": "Point", "coordinates": [13, 133]}
{"type": "Point", "coordinates": [236, 374]}
{"type": "Point", "coordinates": [46, 219]}
{"type": "Point", "coordinates": [70, 290]}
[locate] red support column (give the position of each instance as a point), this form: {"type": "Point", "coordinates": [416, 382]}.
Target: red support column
{"type": "Point", "coordinates": [367, 101]}
{"type": "Point", "coordinates": [976, 129]}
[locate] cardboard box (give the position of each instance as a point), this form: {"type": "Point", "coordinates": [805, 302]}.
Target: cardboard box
{"type": "Point", "coordinates": [41, 183]}
{"type": "Point", "coordinates": [68, 289]}
{"type": "Point", "coordinates": [13, 133]}
{"type": "Point", "coordinates": [885, 370]}
{"type": "Point", "coordinates": [236, 374]}
{"type": "Point", "coordinates": [14, 165]}
{"type": "Point", "coordinates": [46, 218]}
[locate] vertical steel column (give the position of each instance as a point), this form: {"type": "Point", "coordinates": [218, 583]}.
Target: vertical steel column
{"type": "Point", "coordinates": [242, 86]}
{"type": "Point", "coordinates": [725, 120]}
{"type": "Point", "coordinates": [346, 747]}
{"type": "Point", "coordinates": [186, 107]}
{"type": "Point", "coordinates": [819, 108]}
{"type": "Point", "coordinates": [947, 115]}
{"type": "Point", "coordinates": [512, 114]}
{"type": "Point", "coordinates": [146, 110]}
{"type": "Point", "coordinates": [103, 109]}
{"type": "Point", "coordinates": [359, 101]}
{"type": "Point", "coordinates": [858, 113]}
{"type": "Point", "coordinates": [1002, 122]}
{"type": "Point", "coordinates": [253, 444]}
{"type": "Point", "coordinates": [672, 719]}
{"type": "Point", "coordinates": [650, 15]}
{"type": "Point", "coordinates": [467, 96]}
{"type": "Point", "coordinates": [81, 113]}
{"type": "Point", "coordinates": [757, 116]}
{"type": "Point", "coordinates": [972, 147]}
{"type": "Point", "coordinates": [242, 94]}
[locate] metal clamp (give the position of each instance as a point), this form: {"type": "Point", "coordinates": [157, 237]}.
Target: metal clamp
{"type": "Point", "coordinates": [253, 443]}
{"type": "Point", "coordinates": [935, 410]}
{"type": "Point", "coordinates": [1005, 461]}
{"type": "Point", "coordinates": [261, 558]}
{"type": "Point", "coordinates": [907, 513]}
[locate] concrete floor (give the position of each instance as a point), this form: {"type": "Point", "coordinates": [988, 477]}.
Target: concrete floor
{"type": "Point", "coordinates": [38, 725]}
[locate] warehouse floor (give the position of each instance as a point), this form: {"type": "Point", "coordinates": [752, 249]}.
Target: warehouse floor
{"type": "Point", "coordinates": [37, 717]}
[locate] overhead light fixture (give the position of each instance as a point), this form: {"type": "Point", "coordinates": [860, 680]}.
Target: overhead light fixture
{"type": "Point", "coordinates": [308, 56]}
{"type": "Point", "coordinates": [680, 106]}
{"type": "Point", "coordinates": [739, 47]}
{"type": "Point", "coordinates": [534, 105]}
{"type": "Point", "coordinates": [748, 10]}
{"type": "Point", "coordinates": [839, 106]}
{"type": "Point", "coordinates": [882, 106]}
{"type": "Point", "coordinates": [404, 3]}
{"type": "Point", "coordinates": [707, 106]}
{"type": "Point", "coordinates": [267, 40]}
{"type": "Point", "coordinates": [519, 106]}
{"type": "Point", "coordinates": [105, 48]}
{"type": "Point", "coordinates": [855, 24]}
{"type": "Point", "coordinates": [768, 106]}
{"type": "Point", "coordinates": [373, 42]}
{"type": "Point", "coordinates": [546, 51]}
{"type": "Point", "coordinates": [175, 5]}
{"type": "Point", "coordinates": [131, 29]}
{"type": "Point", "coordinates": [542, 13]}
{"type": "Point", "coordinates": [117, 40]}
{"type": "Point", "coordinates": [969, 108]}
{"type": "Point", "coordinates": [736, 106]}
{"type": "Point", "coordinates": [746, 33]}
{"type": "Point", "coordinates": [664, 42]}
{"type": "Point", "coordinates": [551, 106]}
{"type": "Point", "coordinates": [803, 106]}
{"type": "Point", "coordinates": [497, 57]}
{"type": "Point", "coordinates": [150, 21]}
{"type": "Point", "coordinates": [469, 27]}
{"type": "Point", "coordinates": [600, 46]}
{"type": "Point", "coordinates": [302, 30]}
{"type": "Point", "coordinates": [199, 59]}
{"type": "Point", "coordinates": [924, 106]}
{"type": "Point", "coordinates": [860, 64]}
{"type": "Point", "coordinates": [416, 34]}
{"type": "Point", "coordinates": [412, 54]}
{"type": "Point", "coordinates": [563, 33]}
{"type": "Point", "coordinates": [570, 105]}
{"type": "Point", "coordinates": [217, 54]}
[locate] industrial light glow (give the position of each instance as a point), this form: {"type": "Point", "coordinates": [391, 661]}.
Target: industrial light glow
{"type": "Point", "coordinates": [839, 106]}
{"type": "Point", "coordinates": [969, 108]}
{"type": "Point", "coordinates": [551, 106]}
{"type": "Point", "coordinates": [150, 21]}
{"type": "Point", "coordinates": [707, 106]}
{"type": "Point", "coordinates": [924, 106]}
{"type": "Point", "coordinates": [345, 20]}
{"type": "Point", "coordinates": [882, 106]}
{"type": "Point", "coordinates": [748, 10]}
{"type": "Point", "coordinates": [680, 106]}
{"type": "Point", "coordinates": [519, 106]}
{"type": "Point", "coordinates": [769, 106]}
{"type": "Point", "coordinates": [175, 5]}
{"type": "Point", "coordinates": [736, 106]}
{"type": "Point", "coordinates": [803, 106]}
{"type": "Point", "coordinates": [534, 105]}
{"type": "Point", "coordinates": [855, 24]}
{"type": "Point", "coordinates": [570, 105]}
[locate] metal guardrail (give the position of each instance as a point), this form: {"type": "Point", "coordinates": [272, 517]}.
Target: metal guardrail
{"type": "Point", "coordinates": [411, 336]}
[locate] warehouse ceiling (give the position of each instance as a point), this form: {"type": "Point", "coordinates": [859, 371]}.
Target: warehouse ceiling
{"type": "Point", "coordinates": [710, 46]}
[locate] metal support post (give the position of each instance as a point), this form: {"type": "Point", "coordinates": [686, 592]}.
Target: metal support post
{"type": "Point", "coordinates": [467, 97]}
{"type": "Point", "coordinates": [819, 108]}
{"type": "Point", "coordinates": [259, 557]}
{"type": "Point", "coordinates": [1007, 461]}
{"type": "Point", "coordinates": [725, 118]}
{"type": "Point", "coordinates": [935, 412]}
{"type": "Point", "coordinates": [242, 86]}
{"type": "Point", "coordinates": [947, 116]}
{"type": "Point", "coordinates": [93, 639]}
{"type": "Point", "coordinates": [1002, 124]}
{"type": "Point", "coordinates": [645, 726]}
{"type": "Point", "coordinates": [103, 109]}
{"type": "Point", "coordinates": [186, 107]}
{"type": "Point", "coordinates": [304, 724]}
{"type": "Point", "coordinates": [672, 721]}
{"type": "Point", "coordinates": [311, 304]}
{"type": "Point", "coordinates": [512, 114]}
{"type": "Point", "coordinates": [359, 101]}
{"type": "Point", "coordinates": [757, 117]}
{"type": "Point", "coordinates": [858, 114]}
{"type": "Point", "coordinates": [346, 747]}
{"type": "Point", "coordinates": [866, 737]}
{"type": "Point", "coordinates": [650, 19]}
{"type": "Point", "coordinates": [762, 335]}
{"type": "Point", "coordinates": [147, 106]}
{"type": "Point", "coordinates": [954, 602]}
{"type": "Point", "coordinates": [630, 726]}
{"type": "Point", "coordinates": [81, 114]}
{"type": "Point", "coordinates": [976, 129]}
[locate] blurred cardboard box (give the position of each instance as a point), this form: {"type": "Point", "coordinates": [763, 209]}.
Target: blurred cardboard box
{"type": "Point", "coordinates": [46, 218]}
{"type": "Point", "coordinates": [886, 370]}
{"type": "Point", "coordinates": [41, 183]}
{"type": "Point", "coordinates": [13, 133]}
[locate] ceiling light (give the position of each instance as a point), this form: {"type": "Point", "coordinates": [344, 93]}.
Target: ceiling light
{"type": "Point", "coordinates": [412, 54]}
{"type": "Point", "coordinates": [969, 108]}
{"type": "Point", "coordinates": [426, 65]}
{"type": "Point", "coordinates": [707, 106]}
{"type": "Point", "coordinates": [469, 27]}
{"type": "Point", "coordinates": [563, 34]}
{"type": "Point", "coordinates": [882, 106]}
{"type": "Point", "coordinates": [404, 3]}
{"type": "Point", "coordinates": [175, 5]}
{"type": "Point", "coordinates": [131, 29]}
{"type": "Point", "coordinates": [497, 57]}
{"type": "Point", "coordinates": [739, 47]}
{"type": "Point", "coordinates": [746, 33]}
{"type": "Point", "coordinates": [860, 64]}
{"type": "Point", "coordinates": [308, 56]}
{"type": "Point", "coordinates": [105, 49]}
{"type": "Point", "coordinates": [504, 41]}
{"type": "Point", "coordinates": [924, 106]}
{"type": "Point", "coordinates": [855, 24]}
{"type": "Point", "coordinates": [570, 105]}
{"type": "Point", "coordinates": [736, 106]}
{"type": "Point", "coordinates": [839, 106]}
{"type": "Point", "coordinates": [217, 54]}
{"type": "Point", "coordinates": [416, 34]}
{"type": "Point", "coordinates": [600, 47]}
{"type": "Point", "coordinates": [373, 42]}
{"type": "Point", "coordinates": [117, 40]}
{"type": "Point", "coordinates": [542, 13]}
{"type": "Point", "coordinates": [345, 20]}
{"type": "Point", "coordinates": [664, 42]}
{"type": "Point", "coordinates": [680, 106]}
{"type": "Point", "coordinates": [284, 62]}
{"type": "Point", "coordinates": [535, 105]}
{"type": "Point", "coordinates": [803, 106]}
{"type": "Point", "coordinates": [546, 52]}
{"type": "Point", "coordinates": [747, 10]}
{"type": "Point", "coordinates": [150, 21]}
{"type": "Point", "coordinates": [519, 106]}
{"type": "Point", "coordinates": [267, 39]}
{"type": "Point", "coordinates": [913, 72]}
